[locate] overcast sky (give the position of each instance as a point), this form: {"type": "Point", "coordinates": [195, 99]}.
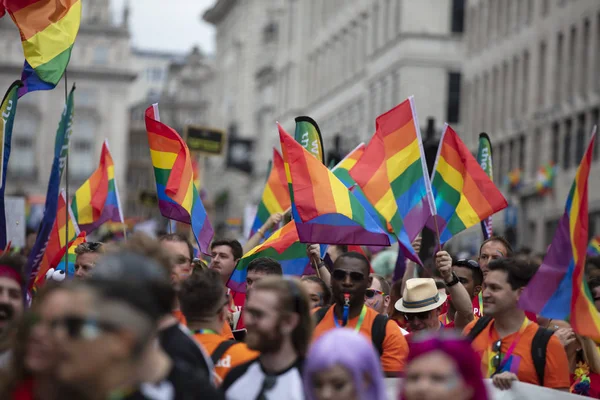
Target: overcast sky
{"type": "Point", "coordinates": [173, 25]}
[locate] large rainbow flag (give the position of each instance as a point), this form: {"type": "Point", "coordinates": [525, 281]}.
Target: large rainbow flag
{"type": "Point", "coordinates": [275, 197]}
{"type": "Point", "coordinates": [97, 200]}
{"type": "Point", "coordinates": [58, 239]}
{"type": "Point", "coordinates": [558, 290]}
{"type": "Point", "coordinates": [325, 211]}
{"type": "Point", "coordinates": [283, 246]}
{"type": "Point", "coordinates": [48, 30]}
{"type": "Point", "coordinates": [178, 198]}
{"type": "Point", "coordinates": [594, 247]}
{"type": "Point", "coordinates": [393, 175]}
{"type": "Point", "coordinates": [464, 194]}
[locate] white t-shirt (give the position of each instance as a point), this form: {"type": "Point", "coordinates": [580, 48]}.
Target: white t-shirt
{"type": "Point", "coordinates": [246, 381]}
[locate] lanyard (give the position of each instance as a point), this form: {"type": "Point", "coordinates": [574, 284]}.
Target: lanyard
{"type": "Point", "coordinates": [205, 331]}
{"type": "Point", "coordinates": [361, 318]}
{"type": "Point", "coordinates": [480, 302]}
{"type": "Point", "coordinates": [507, 355]}
{"type": "Point", "coordinates": [447, 320]}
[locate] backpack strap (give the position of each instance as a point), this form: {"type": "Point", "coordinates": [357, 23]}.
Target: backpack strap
{"type": "Point", "coordinates": [320, 314]}
{"type": "Point", "coordinates": [478, 327]}
{"type": "Point", "coordinates": [539, 345]}
{"type": "Point", "coordinates": [378, 332]}
{"type": "Point", "coordinates": [220, 350]}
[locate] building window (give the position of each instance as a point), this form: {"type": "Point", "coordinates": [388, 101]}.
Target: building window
{"type": "Point", "coordinates": [541, 75]}
{"type": "Point", "coordinates": [596, 121]}
{"type": "Point", "coordinates": [453, 97]}
{"type": "Point", "coordinates": [101, 55]}
{"type": "Point", "coordinates": [525, 88]}
{"type": "Point", "coordinates": [458, 16]}
{"type": "Point", "coordinates": [580, 138]}
{"type": "Point", "coordinates": [555, 141]}
{"type": "Point", "coordinates": [567, 144]}
{"type": "Point", "coordinates": [535, 153]}
{"type": "Point", "coordinates": [23, 156]}
{"type": "Point", "coordinates": [583, 80]}
{"type": "Point", "coordinates": [558, 69]}
{"type": "Point", "coordinates": [82, 145]}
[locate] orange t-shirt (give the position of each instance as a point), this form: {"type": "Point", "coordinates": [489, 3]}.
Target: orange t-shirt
{"type": "Point", "coordinates": [237, 354]}
{"type": "Point", "coordinates": [395, 347]}
{"type": "Point", "coordinates": [226, 332]}
{"type": "Point", "coordinates": [556, 374]}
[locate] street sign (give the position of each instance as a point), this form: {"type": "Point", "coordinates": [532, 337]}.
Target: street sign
{"type": "Point", "coordinates": [204, 140]}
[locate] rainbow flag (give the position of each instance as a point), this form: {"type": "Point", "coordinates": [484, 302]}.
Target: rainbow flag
{"type": "Point", "coordinates": [275, 197]}
{"type": "Point", "coordinates": [545, 178]}
{"type": "Point", "coordinates": [393, 175]}
{"type": "Point", "coordinates": [57, 242]}
{"type": "Point", "coordinates": [284, 246]}
{"type": "Point", "coordinates": [97, 200]}
{"type": "Point", "coordinates": [594, 247]}
{"type": "Point", "coordinates": [325, 211]}
{"type": "Point", "coordinates": [514, 179]}
{"type": "Point", "coordinates": [48, 30]}
{"type": "Point", "coordinates": [464, 194]}
{"type": "Point", "coordinates": [558, 290]}
{"type": "Point", "coordinates": [70, 258]}
{"type": "Point", "coordinates": [178, 198]}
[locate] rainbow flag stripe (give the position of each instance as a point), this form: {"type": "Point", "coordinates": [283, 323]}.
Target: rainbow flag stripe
{"type": "Point", "coordinates": [284, 246]}
{"type": "Point", "coordinates": [545, 178]}
{"type": "Point", "coordinates": [594, 247]}
{"type": "Point", "coordinates": [275, 197]}
{"type": "Point", "coordinates": [97, 200]}
{"type": "Point", "coordinates": [558, 290]}
{"type": "Point", "coordinates": [325, 211]}
{"type": "Point", "coordinates": [48, 30]}
{"type": "Point", "coordinates": [178, 198]}
{"type": "Point", "coordinates": [57, 241]}
{"type": "Point", "coordinates": [464, 194]}
{"type": "Point", "coordinates": [71, 257]}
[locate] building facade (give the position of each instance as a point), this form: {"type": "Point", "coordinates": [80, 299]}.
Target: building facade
{"type": "Point", "coordinates": [531, 83]}
{"type": "Point", "coordinates": [152, 70]}
{"type": "Point", "coordinates": [342, 62]}
{"type": "Point", "coordinates": [100, 68]}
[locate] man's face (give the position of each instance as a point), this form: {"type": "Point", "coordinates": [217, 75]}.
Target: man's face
{"type": "Point", "coordinates": [498, 295]}
{"type": "Point", "coordinates": [263, 322]}
{"type": "Point", "coordinates": [491, 251]}
{"type": "Point", "coordinates": [378, 301]}
{"type": "Point", "coordinates": [252, 277]}
{"type": "Point", "coordinates": [465, 276]}
{"type": "Point", "coordinates": [84, 264]}
{"type": "Point", "coordinates": [423, 320]}
{"type": "Point", "coordinates": [223, 261]}
{"type": "Point", "coordinates": [315, 293]}
{"type": "Point", "coordinates": [349, 277]}
{"type": "Point", "coordinates": [182, 264]}
{"type": "Point", "coordinates": [11, 302]}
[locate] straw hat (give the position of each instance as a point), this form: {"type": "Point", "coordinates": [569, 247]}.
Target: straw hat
{"type": "Point", "coordinates": [420, 294]}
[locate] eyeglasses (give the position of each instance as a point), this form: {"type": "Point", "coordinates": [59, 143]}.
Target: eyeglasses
{"type": "Point", "coordinates": [422, 316]}
{"type": "Point", "coordinates": [370, 293]}
{"type": "Point", "coordinates": [82, 327]}
{"type": "Point", "coordinates": [464, 262]}
{"type": "Point", "coordinates": [340, 275]}
{"type": "Point", "coordinates": [497, 359]}
{"type": "Point", "coordinates": [180, 260]}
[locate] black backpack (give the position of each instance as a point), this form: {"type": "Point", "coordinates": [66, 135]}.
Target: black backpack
{"type": "Point", "coordinates": [377, 329]}
{"type": "Point", "coordinates": [538, 345]}
{"type": "Point", "coordinates": [220, 350]}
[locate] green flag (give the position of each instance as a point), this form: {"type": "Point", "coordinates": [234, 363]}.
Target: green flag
{"type": "Point", "coordinates": [308, 135]}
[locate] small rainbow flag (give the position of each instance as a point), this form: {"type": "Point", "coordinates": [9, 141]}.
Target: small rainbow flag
{"type": "Point", "coordinates": [464, 194]}
{"type": "Point", "coordinates": [57, 242]}
{"type": "Point", "coordinates": [71, 257]}
{"type": "Point", "coordinates": [275, 197]}
{"type": "Point", "coordinates": [284, 246]}
{"type": "Point", "coordinates": [514, 179]}
{"type": "Point", "coordinates": [178, 198]}
{"type": "Point", "coordinates": [594, 247]}
{"type": "Point", "coordinates": [558, 290]}
{"type": "Point", "coordinates": [97, 200]}
{"type": "Point", "coordinates": [325, 211]}
{"type": "Point", "coordinates": [545, 178]}
{"type": "Point", "coordinates": [393, 175]}
{"type": "Point", "coordinates": [48, 30]}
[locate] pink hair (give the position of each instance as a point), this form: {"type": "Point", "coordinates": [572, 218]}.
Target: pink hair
{"type": "Point", "coordinates": [460, 351]}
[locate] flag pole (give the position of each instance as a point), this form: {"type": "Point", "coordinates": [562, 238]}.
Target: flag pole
{"type": "Point", "coordinates": [66, 193]}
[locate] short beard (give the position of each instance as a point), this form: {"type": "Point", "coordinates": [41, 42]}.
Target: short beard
{"type": "Point", "coordinates": [270, 342]}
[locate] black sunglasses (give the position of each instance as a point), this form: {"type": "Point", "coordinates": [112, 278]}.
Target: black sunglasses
{"type": "Point", "coordinates": [420, 316]}
{"type": "Point", "coordinates": [497, 359]}
{"type": "Point", "coordinates": [340, 275]}
{"type": "Point", "coordinates": [464, 262]}
{"type": "Point", "coordinates": [81, 327]}
{"type": "Point", "coordinates": [370, 293]}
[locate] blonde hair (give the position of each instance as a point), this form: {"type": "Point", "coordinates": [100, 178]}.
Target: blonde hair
{"type": "Point", "coordinates": [292, 299]}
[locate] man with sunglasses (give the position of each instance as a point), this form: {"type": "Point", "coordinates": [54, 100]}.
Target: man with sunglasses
{"type": "Point", "coordinates": [349, 283]}
{"type": "Point", "coordinates": [512, 347]}
{"type": "Point", "coordinates": [377, 296]}
{"type": "Point", "coordinates": [205, 302]}
{"type": "Point", "coordinates": [87, 255]}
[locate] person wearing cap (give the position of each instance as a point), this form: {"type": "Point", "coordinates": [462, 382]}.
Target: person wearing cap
{"type": "Point", "coordinates": [11, 300]}
{"type": "Point", "coordinates": [421, 302]}
{"type": "Point", "coordinates": [87, 255]}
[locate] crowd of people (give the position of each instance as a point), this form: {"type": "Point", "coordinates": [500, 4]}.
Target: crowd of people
{"type": "Point", "coordinates": [144, 319]}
